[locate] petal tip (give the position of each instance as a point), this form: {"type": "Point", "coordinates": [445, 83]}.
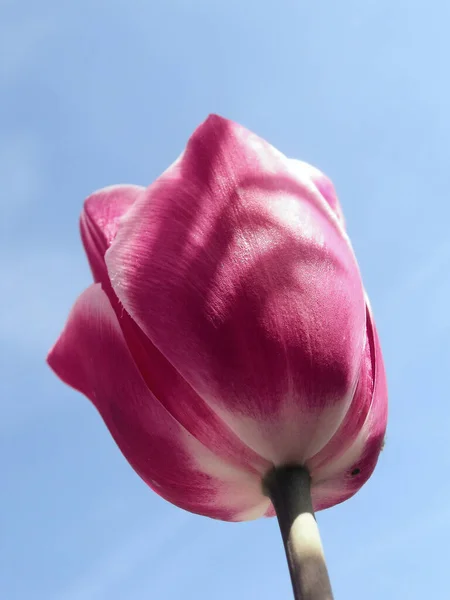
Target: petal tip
{"type": "Point", "coordinates": [110, 195]}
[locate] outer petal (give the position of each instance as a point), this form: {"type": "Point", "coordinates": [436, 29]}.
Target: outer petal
{"type": "Point", "coordinates": [99, 222]}
{"type": "Point", "coordinates": [349, 460]}
{"type": "Point", "coordinates": [91, 355]}
{"type": "Point", "coordinates": [323, 184]}
{"type": "Point", "coordinates": [241, 274]}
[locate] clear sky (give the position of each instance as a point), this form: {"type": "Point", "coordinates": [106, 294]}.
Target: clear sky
{"type": "Point", "coordinates": [94, 93]}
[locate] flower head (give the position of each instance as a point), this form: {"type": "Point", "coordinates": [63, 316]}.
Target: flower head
{"type": "Point", "coordinates": [228, 331]}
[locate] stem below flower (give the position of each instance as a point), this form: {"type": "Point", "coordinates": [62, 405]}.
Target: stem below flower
{"type": "Point", "coordinates": [290, 491]}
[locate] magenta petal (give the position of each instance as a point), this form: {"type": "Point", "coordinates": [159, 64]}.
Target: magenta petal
{"type": "Point", "coordinates": [237, 268]}
{"type": "Point", "coordinates": [183, 403]}
{"type": "Point", "coordinates": [100, 219]}
{"type": "Point", "coordinates": [99, 223]}
{"type": "Point", "coordinates": [348, 461]}
{"type": "Point", "coordinates": [323, 184]}
{"type": "Point", "coordinates": [92, 356]}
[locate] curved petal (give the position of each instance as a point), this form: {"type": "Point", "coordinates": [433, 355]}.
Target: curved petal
{"type": "Point", "coordinates": [181, 400]}
{"type": "Point", "coordinates": [99, 222]}
{"type": "Point", "coordinates": [323, 184]}
{"type": "Point", "coordinates": [239, 272]}
{"type": "Point", "coordinates": [92, 356]}
{"type": "Point", "coordinates": [356, 415]}
{"type": "Point", "coordinates": [337, 478]}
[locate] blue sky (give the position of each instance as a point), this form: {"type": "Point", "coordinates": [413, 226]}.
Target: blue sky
{"type": "Point", "coordinates": [94, 93]}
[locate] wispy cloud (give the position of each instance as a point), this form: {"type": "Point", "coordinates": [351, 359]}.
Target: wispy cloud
{"type": "Point", "coordinates": [417, 307]}
{"type": "Point", "coordinates": [38, 291]}
{"type": "Point", "coordinates": [115, 567]}
{"type": "Point", "coordinates": [22, 173]}
{"type": "Point", "coordinates": [23, 38]}
{"type": "Point", "coordinates": [425, 524]}
{"type": "Point", "coordinates": [420, 277]}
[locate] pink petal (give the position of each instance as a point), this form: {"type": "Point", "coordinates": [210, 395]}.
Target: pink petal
{"type": "Point", "coordinates": [182, 402]}
{"type": "Point", "coordinates": [356, 414]}
{"type": "Point", "coordinates": [349, 460]}
{"type": "Point", "coordinates": [99, 223]}
{"type": "Point", "coordinates": [100, 219]}
{"type": "Point", "coordinates": [239, 272]}
{"type": "Point", "coordinates": [323, 184]}
{"type": "Point", "coordinates": [92, 356]}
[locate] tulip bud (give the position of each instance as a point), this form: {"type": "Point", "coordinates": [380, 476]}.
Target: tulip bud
{"type": "Point", "coordinates": [228, 332]}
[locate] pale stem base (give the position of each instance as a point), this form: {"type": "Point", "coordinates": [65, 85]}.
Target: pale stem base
{"type": "Point", "coordinates": [289, 489]}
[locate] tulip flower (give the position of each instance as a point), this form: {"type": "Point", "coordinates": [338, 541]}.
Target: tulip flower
{"type": "Point", "coordinates": [227, 341]}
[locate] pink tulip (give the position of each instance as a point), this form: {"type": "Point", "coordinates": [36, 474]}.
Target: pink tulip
{"type": "Point", "coordinates": [228, 331]}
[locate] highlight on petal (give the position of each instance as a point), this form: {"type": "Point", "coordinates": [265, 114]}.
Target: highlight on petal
{"type": "Point", "coordinates": [323, 184]}
{"type": "Point", "coordinates": [100, 219]}
{"type": "Point", "coordinates": [92, 356]}
{"type": "Point", "coordinates": [238, 271]}
{"type": "Point", "coordinates": [99, 223]}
